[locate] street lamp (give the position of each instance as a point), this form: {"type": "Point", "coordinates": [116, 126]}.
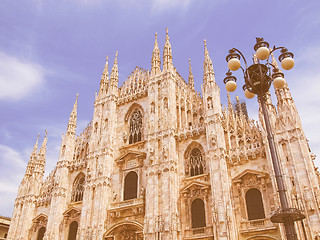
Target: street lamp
{"type": "Point", "coordinates": [258, 78]}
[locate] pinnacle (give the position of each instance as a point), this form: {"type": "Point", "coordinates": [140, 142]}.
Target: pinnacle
{"type": "Point", "coordinates": [167, 53]}
{"type": "Point", "coordinates": [208, 73]}
{"type": "Point", "coordinates": [44, 144]}
{"type": "Point", "coordinates": [73, 117]}
{"type": "Point", "coordinates": [105, 74]}
{"type": "Point", "coordinates": [35, 148]}
{"type": "Point", "coordinates": [155, 61]}
{"type": "Point", "coordinates": [275, 63]}
{"type": "Point", "coordinates": [191, 80]}
{"type": "Point", "coordinates": [156, 46]}
{"type": "Point", "coordinates": [229, 100]}
{"type": "Point", "coordinates": [114, 73]}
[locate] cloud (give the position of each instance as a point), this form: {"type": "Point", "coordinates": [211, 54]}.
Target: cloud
{"type": "Point", "coordinates": [162, 5]}
{"type": "Point", "coordinates": [18, 79]}
{"type": "Point", "coordinates": [11, 157]}
{"type": "Point", "coordinates": [12, 171]}
{"type": "Point", "coordinates": [304, 84]}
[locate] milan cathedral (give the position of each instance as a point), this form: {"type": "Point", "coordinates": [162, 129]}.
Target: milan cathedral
{"type": "Point", "coordinates": [162, 161]}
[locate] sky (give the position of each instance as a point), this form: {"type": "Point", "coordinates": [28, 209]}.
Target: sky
{"type": "Point", "coordinates": [50, 50]}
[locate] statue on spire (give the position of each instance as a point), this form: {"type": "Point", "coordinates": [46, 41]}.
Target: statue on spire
{"type": "Point", "coordinates": [190, 78]}
{"type": "Point", "coordinates": [208, 73]}
{"type": "Point", "coordinates": [114, 72]}
{"type": "Point", "coordinates": [72, 125]}
{"type": "Point", "coordinates": [104, 78]}
{"type": "Point", "coordinates": [167, 54]}
{"type": "Point", "coordinates": [155, 61]}
{"type": "Point", "coordinates": [43, 149]}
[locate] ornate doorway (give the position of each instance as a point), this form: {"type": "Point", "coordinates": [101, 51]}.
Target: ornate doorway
{"type": "Point", "coordinates": [125, 231]}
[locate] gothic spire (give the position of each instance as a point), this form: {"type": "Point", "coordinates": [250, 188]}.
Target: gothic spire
{"type": "Point", "coordinates": [114, 72]}
{"type": "Point", "coordinates": [190, 79]}
{"type": "Point", "coordinates": [208, 74]}
{"type": "Point", "coordinates": [72, 125]}
{"type": "Point", "coordinates": [40, 166]}
{"type": "Point", "coordinates": [105, 77]}
{"type": "Point", "coordinates": [33, 157]}
{"type": "Point", "coordinates": [155, 61]}
{"type": "Point", "coordinates": [167, 54]}
{"type": "Point", "coordinates": [230, 106]}
{"type": "Point", "coordinates": [43, 149]}
{"type": "Point", "coordinates": [35, 147]}
{"type": "Point", "coordinates": [283, 94]}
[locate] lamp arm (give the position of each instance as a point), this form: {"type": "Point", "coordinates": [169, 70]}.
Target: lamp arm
{"type": "Point", "coordinates": [276, 48]}
{"type": "Point", "coordinates": [244, 59]}
{"type": "Point", "coordinates": [243, 70]}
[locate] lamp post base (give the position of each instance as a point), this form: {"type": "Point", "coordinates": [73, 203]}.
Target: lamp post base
{"type": "Point", "coordinates": [288, 216]}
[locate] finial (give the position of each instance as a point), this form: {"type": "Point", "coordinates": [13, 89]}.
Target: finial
{"type": "Point", "coordinates": [73, 117]}
{"type": "Point", "coordinates": [191, 80]}
{"type": "Point", "coordinates": [44, 145]}
{"type": "Point", "coordinates": [35, 148]}
{"type": "Point", "coordinates": [155, 60]}
{"type": "Point", "coordinates": [229, 99]}
{"type": "Point", "coordinates": [237, 97]}
{"type": "Point", "coordinates": [274, 62]}
{"type": "Point", "coordinates": [46, 131]}
{"type": "Point", "coordinates": [206, 52]}
{"type": "Point", "coordinates": [167, 54]}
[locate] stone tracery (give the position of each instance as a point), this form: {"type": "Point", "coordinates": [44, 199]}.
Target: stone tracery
{"type": "Point", "coordinates": [78, 188]}
{"type": "Point", "coordinates": [135, 131]}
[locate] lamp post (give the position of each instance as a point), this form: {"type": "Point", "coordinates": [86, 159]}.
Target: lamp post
{"type": "Point", "coordinates": [258, 78]}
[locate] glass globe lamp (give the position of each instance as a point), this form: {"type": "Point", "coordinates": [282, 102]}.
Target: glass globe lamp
{"type": "Point", "coordinates": [262, 53]}
{"type": "Point", "coordinates": [234, 64]}
{"type": "Point", "coordinates": [248, 94]}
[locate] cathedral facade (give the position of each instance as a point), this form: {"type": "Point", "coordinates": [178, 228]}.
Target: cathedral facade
{"type": "Point", "coordinates": [161, 161]}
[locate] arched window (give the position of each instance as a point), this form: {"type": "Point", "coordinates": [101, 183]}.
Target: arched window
{"type": "Point", "coordinates": [130, 186]}
{"type": "Point", "coordinates": [96, 127]}
{"type": "Point", "coordinates": [73, 229]}
{"type": "Point", "coordinates": [41, 232]}
{"type": "Point", "coordinates": [165, 103]}
{"type": "Point", "coordinates": [63, 150]}
{"type": "Point", "coordinates": [196, 162]}
{"type": "Point", "coordinates": [198, 214]}
{"type": "Point", "coordinates": [135, 131]}
{"type": "Point", "coordinates": [254, 204]}
{"type": "Point", "coordinates": [78, 189]}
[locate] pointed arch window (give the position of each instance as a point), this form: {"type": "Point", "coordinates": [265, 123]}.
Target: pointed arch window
{"type": "Point", "coordinates": [196, 162]}
{"type": "Point", "coordinates": [130, 186]}
{"type": "Point", "coordinates": [135, 131]}
{"type": "Point", "coordinates": [78, 189]}
{"type": "Point", "coordinates": [63, 150]}
{"type": "Point", "coordinates": [198, 214]}
{"type": "Point", "coordinates": [73, 229]}
{"type": "Point", "coordinates": [254, 204]}
{"type": "Point", "coordinates": [41, 233]}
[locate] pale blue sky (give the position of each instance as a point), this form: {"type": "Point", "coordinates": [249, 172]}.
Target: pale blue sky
{"type": "Point", "coordinates": [50, 50]}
